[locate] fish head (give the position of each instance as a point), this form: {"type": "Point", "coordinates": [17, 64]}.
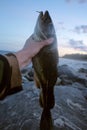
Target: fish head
{"type": "Point", "coordinates": [44, 27]}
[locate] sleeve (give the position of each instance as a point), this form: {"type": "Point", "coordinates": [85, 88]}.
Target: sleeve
{"type": "Point", "coordinates": [10, 75]}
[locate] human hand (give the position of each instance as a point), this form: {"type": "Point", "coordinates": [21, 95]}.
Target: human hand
{"type": "Point", "coordinates": [30, 49]}
{"type": "Point", "coordinates": [34, 47]}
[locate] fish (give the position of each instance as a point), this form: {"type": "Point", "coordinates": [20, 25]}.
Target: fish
{"type": "Point", "coordinates": [46, 61]}
{"type": "Point", "coordinates": [46, 122]}
{"type": "Point", "coordinates": [45, 67]}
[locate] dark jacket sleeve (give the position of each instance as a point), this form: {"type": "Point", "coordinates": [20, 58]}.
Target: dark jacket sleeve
{"type": "Point", "coordinates": [10, 76]}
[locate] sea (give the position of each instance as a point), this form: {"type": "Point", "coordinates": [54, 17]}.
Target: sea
{"type": "Point", "coordinates": [4, 52]}
{"type": "Point", "coordinates": [75, 64]}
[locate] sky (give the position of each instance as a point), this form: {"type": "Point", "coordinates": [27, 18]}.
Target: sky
{"type": "Point", "coordinates": [18, 19]}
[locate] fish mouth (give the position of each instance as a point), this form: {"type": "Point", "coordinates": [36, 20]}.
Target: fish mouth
{"type": "Point", "coordinates": [45, 17]}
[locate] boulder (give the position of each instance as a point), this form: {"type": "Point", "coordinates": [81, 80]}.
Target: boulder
{"type": "Point", "coordinates": [82, 70]}
{"type": "Point", "coordinates": [66, 70]}
{"type": "Point", "coordinates": [22, 111]}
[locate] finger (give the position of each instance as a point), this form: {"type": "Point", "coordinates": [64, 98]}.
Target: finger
{"type": "Point", "coordinates": [48, 41]}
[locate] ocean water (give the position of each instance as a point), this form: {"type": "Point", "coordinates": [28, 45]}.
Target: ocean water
{"type": "Point", "coordinates": [75, 64]}
{"type": "Point", "coordinates": [4, 52]}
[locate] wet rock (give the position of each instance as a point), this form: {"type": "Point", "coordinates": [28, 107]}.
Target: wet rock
{"type": "Point", "coordinates": [58, 82]}
{"type": "Point", "coordinates": [84, 92]}
{"type": "Point", "coordinates": [70, 109]}
{"type": "Point", "coordinates": [22, 111]}
{"type": "Point", "coordinates": [66, 70]}
{"type": "Point", "coordinates": [65, 80]}
{"type": "Point", "coordinates": [30, 124]}
{"type": "Point", "coordinates": [69, 76]}
{"type": "Point", "coordinates": [82, 79]}
{"type": "Point", "coordinates": [28, 73]}
{"type": "Point", "coordinates": [82, 70]}
{"type": "Point", "coordinates": [78, 86]}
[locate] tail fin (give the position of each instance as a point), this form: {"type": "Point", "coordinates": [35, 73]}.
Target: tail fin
{"type": "Point", "coordinates": [46, 122]}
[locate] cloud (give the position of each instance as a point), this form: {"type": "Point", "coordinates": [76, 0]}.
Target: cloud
{"type": "Point", "coordinates": [68, 1]}
{"type": "Point", "coordinates": [81, 29]}
{"type": "Point", "coordinates": [78, 45]}
{"type": "Point", "coordinates": [79, 1]}
{"type": "Point", "coordinates": [82, 1]}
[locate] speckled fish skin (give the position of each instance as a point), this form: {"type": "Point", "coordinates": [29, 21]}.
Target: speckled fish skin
{"type": "Point", "coordinates": [45, 62]}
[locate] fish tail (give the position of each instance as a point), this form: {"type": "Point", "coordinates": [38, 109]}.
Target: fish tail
{"type": "Point", "coordinates": [46, 122]}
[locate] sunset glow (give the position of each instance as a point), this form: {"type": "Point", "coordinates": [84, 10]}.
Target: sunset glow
{"type": "Point", "coordinates": [18, 19]}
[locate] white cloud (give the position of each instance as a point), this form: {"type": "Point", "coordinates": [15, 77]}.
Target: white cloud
{"type": "Point", "coordinates": [78, 45]}
{"type": "Point", "coordinates": [81, 29]}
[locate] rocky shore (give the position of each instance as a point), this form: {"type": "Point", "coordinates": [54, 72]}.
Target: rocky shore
{"type": "Point", "coordinates": [22, 111]}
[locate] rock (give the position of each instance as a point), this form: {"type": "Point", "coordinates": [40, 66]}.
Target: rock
{"type": "Point", "coordinates": [70, 109]}
{"type": "Point", "coordinates": [58, 82]}
{"type": "Point", "coordinates": [66, 74]}
{"type": "Point", "coordinates": [66, 70]}
{"type": "Point", "coordinates": [69, 75]}
{"type": "Point", "coordinates": [82, 79]}
{"type": "Point", "coordinates": [78, 86]}
{"type": "Point", "coordinates": [82, 70]}
{"type": "Point", "coordinates": [84, 92]}
{"type": "Point", "coordinates": [22, 111]}
{"type": "Point", "coordinates": [65, 80]}
{"type": "Point", "coordinates": [30, 125]}
{"type": "Point", "coordinates": [28, 73]}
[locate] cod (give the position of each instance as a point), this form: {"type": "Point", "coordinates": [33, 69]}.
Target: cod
{"type": "Point", "coordinates": [45, 67]}
{"type": "Point", "coordinates": [45, 62]}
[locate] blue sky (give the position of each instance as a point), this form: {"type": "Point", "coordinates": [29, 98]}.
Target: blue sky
{"type": "Point", "coordinates": [18, 19]}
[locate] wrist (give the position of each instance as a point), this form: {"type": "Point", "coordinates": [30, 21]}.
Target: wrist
{"type": "Point", "coordinates": [23, 58]}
